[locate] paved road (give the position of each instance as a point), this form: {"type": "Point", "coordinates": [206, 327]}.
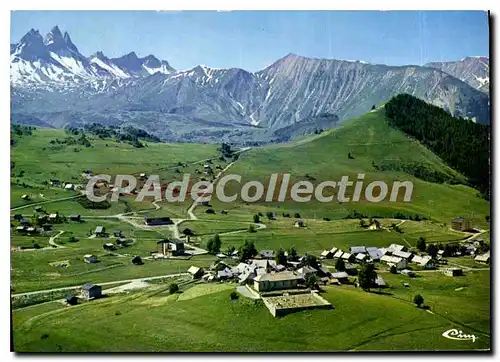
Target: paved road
{"type": "Point", "coordinates": [102, 284]}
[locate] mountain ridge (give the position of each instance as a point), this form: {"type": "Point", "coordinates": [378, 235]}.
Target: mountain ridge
{"type": "Point", "coordinates": [473, 70]}
{"type": "Point", "coordinates": [289, 91]}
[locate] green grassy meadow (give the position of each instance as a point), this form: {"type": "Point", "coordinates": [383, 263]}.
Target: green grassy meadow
{"type": "Point", "coordinates": [104, 156]}
{"type": "Point", "coordinates": [207, 320]}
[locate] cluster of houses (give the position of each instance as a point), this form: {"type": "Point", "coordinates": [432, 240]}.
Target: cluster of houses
{"type": "Point", "coordinates": [100, 231]}
{"type": "Point", "coordinates": [394, 255]}
{"type": "Point", "coordinates": [265, 274]}
{"type": "Point", "coordinates": [41, 222]}
{"type": "Point", "coordinates": [121, 240]}
{"type": "Point", "coordinates": [66, 185]}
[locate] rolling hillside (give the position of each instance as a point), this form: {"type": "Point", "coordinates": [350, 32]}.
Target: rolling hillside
{"type": "Point", "coordinates": [371, 142]}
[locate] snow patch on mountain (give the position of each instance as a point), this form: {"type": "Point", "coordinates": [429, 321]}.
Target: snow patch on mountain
{"type": "Point", "coordinates": [111, 68]}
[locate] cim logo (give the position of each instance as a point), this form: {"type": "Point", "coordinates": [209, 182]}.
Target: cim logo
{"type": "Point", "coordinates": [459, 335]}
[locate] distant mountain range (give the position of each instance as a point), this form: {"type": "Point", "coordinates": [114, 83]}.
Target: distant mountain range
{"type": "Point", "coordinates": [53, 83]}
{"type": "Point", "coordinates": [472, 70]}
{"type": "Point", "coordinates": [55, 60]}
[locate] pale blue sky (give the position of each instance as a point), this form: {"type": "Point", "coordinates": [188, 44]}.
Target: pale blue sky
{"type": "Point", "coordinates": [254, 39]}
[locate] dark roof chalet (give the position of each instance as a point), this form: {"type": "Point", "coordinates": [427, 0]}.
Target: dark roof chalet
{"type": "Point", "coordinates": [89, 286]}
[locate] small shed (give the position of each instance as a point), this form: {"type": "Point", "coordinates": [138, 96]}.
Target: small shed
{"type": "Point", "coordinates": [71, 300]}
{"type": "Point", "coordinates": [89, 258]}
{"type": "Point", "coordinates": [47, 227]}
{"type": "Point", "coordinates": [195, 272]}
{"type": "Point", "coordinates": [75, 217]}
{"type": "Point", "coordinates": [100, 231]}
{"type": "Point", "coordinates": [137, 260]}
{"type": "Point", "coordinates": [108, 246]}
{"type": "Point", "coordinates": [453, 272]}
{"type": "Point", "coordinates": [342, 277]}
{"type": "Point", "coordinates": [299, 224]}
{"type": "Point", "coordinates": [91, 291]}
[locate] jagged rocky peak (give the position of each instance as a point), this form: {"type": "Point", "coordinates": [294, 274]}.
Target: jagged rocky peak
{"type": "Point", "coordinates": [152, 61]}
{"type": "Point", "coordinates": [32, 37]}
{"type": "Point", "coordinates": [69, 43]}
{"type": "Point", "coordinates": [129, 61]}
{"type": "Point", "coordinates": [31, 46]}
{"type": "Point", "coordinates": [54, 36]}
{"type": "Point", "coordinates": [60, 44]}
{"type": "Point", "coordinates": [99, 55]}
{"type": "Point", "coordinates": [130, 56]}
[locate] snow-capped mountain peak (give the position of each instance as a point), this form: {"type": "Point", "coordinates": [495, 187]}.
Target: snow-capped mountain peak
{"type": "Point", "coordinates": [54, 60]}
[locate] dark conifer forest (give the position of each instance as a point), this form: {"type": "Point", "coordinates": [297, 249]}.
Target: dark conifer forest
{"type": "Point", "coordinates": [461, 143]}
